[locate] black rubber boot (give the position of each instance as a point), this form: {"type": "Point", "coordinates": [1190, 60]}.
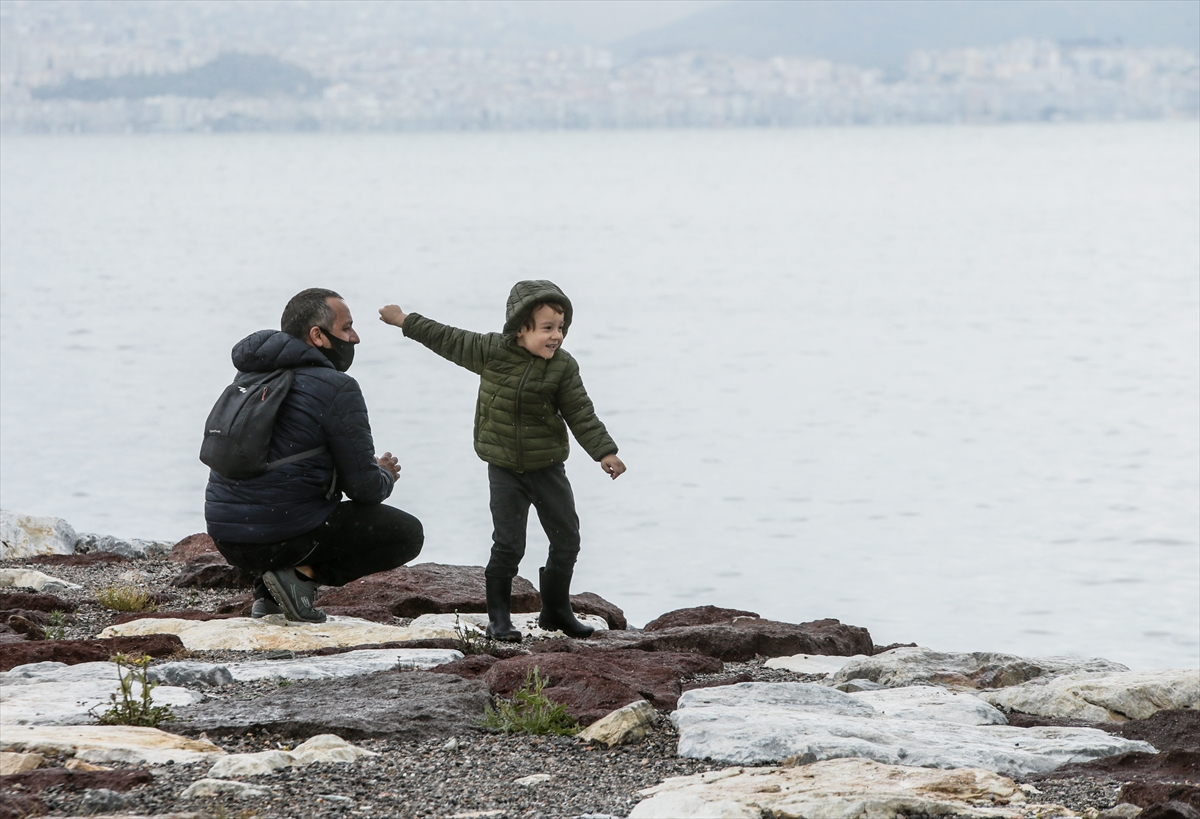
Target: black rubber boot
{"type": "Point", "coordinates": [499, 604]}
{"type": "Point", "coordinates": [556, 605]}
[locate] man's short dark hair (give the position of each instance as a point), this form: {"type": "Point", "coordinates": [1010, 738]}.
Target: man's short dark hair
{"type": "Point", "coordinates": [307, 309]}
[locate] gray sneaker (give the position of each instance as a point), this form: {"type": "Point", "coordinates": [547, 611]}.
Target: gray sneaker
{"type": "Point", "coordinates": [264, 606]}
{"type": "Point", "coordinates": [295, 594]}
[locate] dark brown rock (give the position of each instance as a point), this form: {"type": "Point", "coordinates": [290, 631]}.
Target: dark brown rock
{"type": "Point", "coordinates": [36, 602]}
{"type": "Point", "coordinates": [38, 780]}
{"type": "Point", "coordinates": [890, 646]}
{"type": "Point", "coordinates": [592, 683]}
{"type": "Point", "coordinates": [427, 588]}
{"type": "Point", "coordinates": [87, 559]}
{"type": "Point", "coordinates": [23, 625]}
{"type": "Point", "coordinates": [592, 603]}
{"type": "Point", "coordinates": [1145, 794]}
{"type": "Point", "coordinates": [185, 614]}
{"type": "Point", "coordinates": [411, 706]}
{"type": "Point", "coordinates": [1177, 730]}
{"type": "Point", "coordinates": [73, 652]}
{"type": "Point", "coordinates": [746, 638]}
{"type": "Point", "coordinates": [239, 605]}
{"type": "Point", "coordinates": [1169, 810]}
{"type": "Point", "coordinates": [377, 614]}
{"type": "Point", "coordinates": [210, 571]}
{"type": "Point", "coordinates": [1169, 767]}
{"type": "Point", "coordinates": [40, 617]}
{"type": "Point", "coordinates": [15, 805]}
{"type": "Point", "coordinates": [696, 616]}
{"type": "Point", "coordinates": [471, 667]}
{"type": "Point", "coordinates": [192, 547]}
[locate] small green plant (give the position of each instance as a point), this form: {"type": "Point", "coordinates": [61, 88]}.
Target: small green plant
{"type": "Point", "coordinates": [126, 598]}
{"type": "Point", "coordinates": [57, 628]}
{"type": "Point", "coordinates": [131, 709]}
{"type": "Point", "coordinates": [530, 711]}
{"type": "Point", "coordinates": [471, 640]}
{"type": "Point", "coordinates": [284, 682]}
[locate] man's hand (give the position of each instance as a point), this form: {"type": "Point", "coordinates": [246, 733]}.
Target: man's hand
{"type": "Point", "coordinates": [613, 466]}
{"type": "Point", "coordinates": [393, 315]}
{"type": "Point", "coordinates": [390, 464]}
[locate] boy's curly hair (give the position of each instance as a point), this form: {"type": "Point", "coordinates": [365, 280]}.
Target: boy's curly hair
{"type": "Point", "coordinates": [557, 307]}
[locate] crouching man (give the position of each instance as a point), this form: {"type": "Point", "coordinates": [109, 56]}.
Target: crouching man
{"type": "Point", "coordinates": [290, 525]}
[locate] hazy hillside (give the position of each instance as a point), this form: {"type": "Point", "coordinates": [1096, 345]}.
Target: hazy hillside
{"type": "Point", "coordinates": [882, 32]}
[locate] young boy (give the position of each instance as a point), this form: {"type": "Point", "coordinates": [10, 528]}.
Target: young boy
{"type": "Point", "coordinates": [528, 387]}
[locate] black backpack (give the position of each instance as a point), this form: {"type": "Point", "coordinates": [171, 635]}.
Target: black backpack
{"type": "Point", "coordinates": [238, 431]}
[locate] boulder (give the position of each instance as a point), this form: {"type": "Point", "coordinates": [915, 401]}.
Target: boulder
{"type": "Point", "coordinates": [30, 579]}
{"type": "Point", "coordinates": [350, 664]}
{"type": "Point", "coordinates": [748, 637]}
{"type": "Point", "coordinates": [1144, 795]}
{"type": "Point", "coordinates": [696, 616]}
{"type": "Point", "coordinates": [452, 624]}
{"type": "Point", "coordinates": [43, 778]}
{"type": "Point", "coordinates": [272, 633]}
{"type": "Point", "coordinates": [328, 748]}
{"type": "Point", "coordinates": [210, 571]}
{"type": "Point", "coordinates": [132, 548]}
{"type": "Point", "coordinates": [28, 626]}
{"type": "Point", "coordinates": [405, 705]}
{"type": "Point", "coordinates": [80, 560]}
{"type": "Point", "coordinates": [185, 614]}
{"type": "Point", "coordinates": [189, 674]}
{"type": "Point", "coordinates": [192, 546]}
{"type": "Point", "coordinates": [591, 603]}
{"type": "Point", "coordinates": [86, 651]}
{"type": "Point", "coordinates": [36, 602]}
{"type": "Point", "coordinates": [769, 722]}
{"type": "Point", "coordinates": [627, 724]}
{"type": "Point", "coordinates": [930, 703]}
{"type": "Point", "coordinates": [837, 788]}
{"type": "Point", "coordinates": [27, 535]}
{"type": "Point", "coordinates": [1165, 730]}
{"type": "Point", "coordinates": [376, 614]}
{"type": "Point", "coordinates": [11, 763]}
{"type": "Point", "coordinates": [1102, 697]}
{"type": "Point", "coordinates": [428, 588]}
{"type": "Point", "coordinates": [110, 743]}
{"type": "Point", "coordinates": [56, 694]}
{"type": "Point", "coordinates": [924, 666]}
{"type": "Point", "coordinates": [811, 663]}
{"type": "Point", "coordinates": [592, 684]}
{"type": "Point", "coordinates": [205, 788]}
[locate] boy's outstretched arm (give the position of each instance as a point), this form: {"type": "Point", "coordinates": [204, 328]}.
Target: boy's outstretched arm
{"type": "Point", "coordinates": [463, 347]}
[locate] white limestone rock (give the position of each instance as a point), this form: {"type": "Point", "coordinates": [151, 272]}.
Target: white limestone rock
{"type": "Point", "coordinates": [202, 788]}
{"type": "Point", "coordinates": [328, 748]}
{"type": "Point", "coordinates": [772, 722]}
{"type": "Point", "coordinates": [190, 674]}
{"type": "Point", "coordinates": [930, 703]}
{"type": "Point", "coordinates": [1102, 697]}
{"type": "Point", "coordinates": [72, 695]}
{"type": "Point", "coordinates": [271, 633]}
{"type": "Point", "coordinates": [26, 536]}
{"type": "Point", "coordinates": [812, 663]}
{"type": "Point", "coordinates": [12, 763]}
{"type": "Point", "coordinates": [448, 624]}
{"type": "Point", "coordinates": [532, 779]}
{"type": "Point", "coordinates": [100, 744]}
{"type": "Point", "coordinates": [981, 669]}
{"type": "Point", "coordinates": [837, 789]}
{"type": "Point", "coordinates": [627, 724]}
{"type": "Point", "coordinates": [30, 579]}
{"type": "Point", "coordinates": [350, 664]}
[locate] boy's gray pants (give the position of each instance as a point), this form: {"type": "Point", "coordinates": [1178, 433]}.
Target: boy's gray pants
{"type": "Point", "coordinates": [511, 495]}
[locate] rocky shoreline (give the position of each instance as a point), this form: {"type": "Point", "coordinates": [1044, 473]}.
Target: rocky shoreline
{"type": "Point", "coordinates": [738, 716]}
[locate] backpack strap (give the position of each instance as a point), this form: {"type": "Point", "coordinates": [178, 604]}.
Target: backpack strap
{"type": "Point", "coordinates": [299, 456]}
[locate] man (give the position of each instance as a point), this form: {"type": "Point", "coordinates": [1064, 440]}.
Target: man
{"type": "Point", "coordinates": [289, 524]}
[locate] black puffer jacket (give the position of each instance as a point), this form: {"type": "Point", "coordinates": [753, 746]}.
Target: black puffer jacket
{"type": "Point", "coordinates": [323, 407]}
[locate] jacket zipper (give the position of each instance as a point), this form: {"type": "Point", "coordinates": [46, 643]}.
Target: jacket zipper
{"type": "Point", "coordinates": [520, 431]}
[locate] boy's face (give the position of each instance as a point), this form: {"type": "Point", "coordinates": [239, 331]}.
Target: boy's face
{"type": "Point", "coordinates": [547, 332]}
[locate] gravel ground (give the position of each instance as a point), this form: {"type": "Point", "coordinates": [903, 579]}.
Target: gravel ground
{"type": "Point", "coordinates": [469, 775]}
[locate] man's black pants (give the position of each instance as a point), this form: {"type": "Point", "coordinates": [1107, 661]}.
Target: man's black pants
{"type": "Point", "coordinates": [511, 495]}
{"type": "Point", "coordinates": [356, 540]}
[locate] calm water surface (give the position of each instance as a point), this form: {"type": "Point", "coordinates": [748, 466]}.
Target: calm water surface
{"type": "Point", "coordinates": [943, 383]}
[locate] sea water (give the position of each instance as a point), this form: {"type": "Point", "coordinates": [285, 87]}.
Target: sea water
{"type": "Point", "coordinates": [940, 382]}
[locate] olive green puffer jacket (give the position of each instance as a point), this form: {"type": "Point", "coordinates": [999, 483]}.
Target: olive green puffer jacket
{"type": "Point", "coordinates": [526, 402]}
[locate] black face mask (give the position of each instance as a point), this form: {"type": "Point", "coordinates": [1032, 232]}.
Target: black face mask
{"type": "Point", "coordinates": [341, 355]}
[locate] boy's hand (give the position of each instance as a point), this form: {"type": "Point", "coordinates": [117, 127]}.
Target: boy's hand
{"type": "Point", "coordinates": [393, 315]}
{"type": "Point", "coordinates": [613, 466]}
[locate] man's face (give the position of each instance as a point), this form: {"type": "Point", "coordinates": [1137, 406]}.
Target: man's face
{"type": "Point", "coordinates": [342, 326]}
{"type": "Point", "coordinates": [547, 332]}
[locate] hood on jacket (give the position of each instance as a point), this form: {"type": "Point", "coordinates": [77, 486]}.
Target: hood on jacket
{"type": "Point", "coordinates": [269, 350]}
{"type": "Point", "coordinates": [525, 295]}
